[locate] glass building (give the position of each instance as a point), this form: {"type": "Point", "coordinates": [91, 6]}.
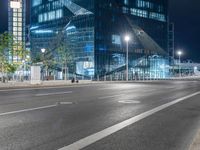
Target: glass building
{"type": "Point", "coordinates": [94, 31]}
{"type": "Point", "coordinates": [16, 28]}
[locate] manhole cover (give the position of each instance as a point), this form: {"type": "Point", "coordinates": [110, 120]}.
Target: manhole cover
{"type": "Point", "coordinates": [129, 102]}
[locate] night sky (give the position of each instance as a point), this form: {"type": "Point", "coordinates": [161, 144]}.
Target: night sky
{"type": "Point", "coordinates": [184, 13]}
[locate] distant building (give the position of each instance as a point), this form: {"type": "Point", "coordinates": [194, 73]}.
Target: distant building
{"type": "Point", "coordinates": [95, 30]}
{"type": "Point", "coordinates": [16, 27]}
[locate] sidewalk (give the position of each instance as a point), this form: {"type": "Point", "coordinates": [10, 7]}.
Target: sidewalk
{"type": "Point", "coordinates": [196, 142]}
{"type": "Point", "coordinates": [24, 84]}
{"type": "Point", "coordinates": [51, 83]}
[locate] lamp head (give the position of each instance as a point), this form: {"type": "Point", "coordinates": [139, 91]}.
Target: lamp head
{"type": "Point", "coordinates": [43, 50]}
{"type": "Point", "coordinates": [179, 53]}
{"type": "Point", "coordinates": [127, 38]}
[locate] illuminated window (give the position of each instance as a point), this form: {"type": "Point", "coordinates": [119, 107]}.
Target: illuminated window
{"type": "Point", "coordinates": [19, 33]}
{"type": "Point", "coordinates": [139, 12]}
{"type": "Point", "coordinates": [36, 2]}
{"type": "Point", "coordinates": [15, 4]}
{"type": "Point", "coordinates": [116, 39]}
{"type": "Point", "coordinates": [144, 4]}
{"type": "Point", "coordinates": [51, 15]}
{"type": "Point", "coordinates": [45, 16]}
{"type": "Point", "coordinates": [14, 19]}
{"type": "Point", "coordinates": [157, 16]}
{"type": "Point", "coordinates": [19, 14]}
{"type": "Point", "coordinates": [19, 24]}
{"type": "Point", "coordinates": [59, 13]}
{"type": "Point", "coordinates": [40, 18]}
{"type": "Point", "coordinates": [125, 9]}
{"type": "Point", "coordinates": [19, 29]}
{"type": "Point", "coordinates": [14, 14]}
{"type": "Point", "coordinates": [126, 2]}
{"type": "Point", "coordinates": [14, 33]}
{"type": "Point", "coordinates": [14, 23]}
{"type": "Point", "coordinates": [14, 28]}
{"type": "Point", "coordinates": [19, 10]}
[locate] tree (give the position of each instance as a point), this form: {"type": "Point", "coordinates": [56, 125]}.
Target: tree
{"type": "Point", "coordinates": [57, 54]}
{"type": "Point", "coordinates": [5, 44]}
{"type": "Point", "coordinates": [64, 54]}
{"type": "Point", "coordinates": [48, 61]}
{"type": "Point", "coordinates": [64, 57]}
{"type": "Point", "coordinates": [8, 49]}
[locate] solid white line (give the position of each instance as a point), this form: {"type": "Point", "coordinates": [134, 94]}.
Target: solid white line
{"type": "Point", "coordinates": [57, 93]}
{"type": "Point", "coordinates": [82, 143]}
{"type": "Point", "coordinates": [105, 97]}
{"type": "Point", "coordinates": [25, 110]}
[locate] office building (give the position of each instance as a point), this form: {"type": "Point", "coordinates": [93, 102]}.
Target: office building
{"type": "Point", "coordinates": [95, 29]}
{"type": "Point", "coordinates": [16, 28]}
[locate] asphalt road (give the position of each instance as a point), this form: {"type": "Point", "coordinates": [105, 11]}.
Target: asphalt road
{"type": "Point", "coordinates": [160, 115]}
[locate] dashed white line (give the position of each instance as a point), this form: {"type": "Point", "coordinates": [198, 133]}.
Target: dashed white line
{"type": "Point", "coordinates": [64, 103]}
{"type": "Point", "coordinates": [129, 102]}
{"type": "Point", "coordinates": [82, 143]}
{"type": "Point", "coordinates": [56, 93]}
{"type": "Point", "coordinates": [26, 110]}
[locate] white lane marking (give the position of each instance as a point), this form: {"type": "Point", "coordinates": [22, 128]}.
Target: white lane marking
{"type": "Point", "coordinates": [112, 96]}
{"type": "Point", "coordinates": [64, 103]}
{"type": "Point", "coordinates": [82, 143]}
{"type": "Point", "coordinates": [56, 93]}
{"type": "Point", "coordinates": [26, 110]}
{"type": "Point", "coordinates": [129, 102]}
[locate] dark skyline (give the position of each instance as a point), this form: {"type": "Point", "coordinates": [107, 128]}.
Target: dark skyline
{"type": "Point", "coordinates": [184, 14]}
{"type": "Point", "coordinates": [186, 17]}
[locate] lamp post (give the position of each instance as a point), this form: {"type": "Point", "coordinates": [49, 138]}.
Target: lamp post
{"type": "Point", "coordinates": [43, 50]}
{"type": "Point", "coordinates": [27, 66]}
{"type": "Point", "coordinates": [179, 59]}
{"type": "Point", "coordinates": [2, 72]}
{"type": "Point", "coordinates": [127, 39]}
{"type": "Point", "coordinates": [23, 62]}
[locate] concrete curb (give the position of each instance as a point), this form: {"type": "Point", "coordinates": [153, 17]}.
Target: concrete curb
{"type": "Point", "coordinates": [27, 84]}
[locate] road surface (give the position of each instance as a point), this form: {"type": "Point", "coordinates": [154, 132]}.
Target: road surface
{"type": "Point", "coordinates": [160, 115]}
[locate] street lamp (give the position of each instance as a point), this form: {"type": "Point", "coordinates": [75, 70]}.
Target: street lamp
{"type": "Point", "coordinates": [23, 62]}
{"type": "Point", "coordinates": [179, 58]}
{"type": "Point", "coordinates": [28, 66]}
{"type": "Point", "coordinates": [127, 39]}
{"type": "Point", "coordinates": [43, 50]}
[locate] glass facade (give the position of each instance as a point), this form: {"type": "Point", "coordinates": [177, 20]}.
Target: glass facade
{"type": "Point", "coordinates": [145, 21]}
{"type": "Point", "coordinates": [95, 30]}
{"type": "Point", "coordinates": [16, 27]}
